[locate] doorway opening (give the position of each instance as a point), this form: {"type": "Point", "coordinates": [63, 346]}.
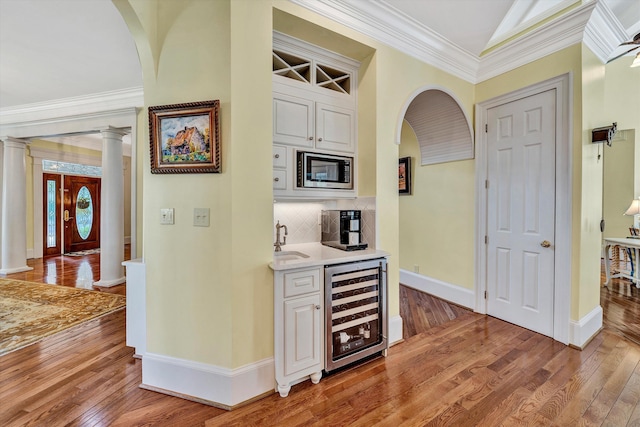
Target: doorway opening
{"type": "Point", "coordinates": [561, 328]}
{"type": "Point", "coordinates": [71, 210]}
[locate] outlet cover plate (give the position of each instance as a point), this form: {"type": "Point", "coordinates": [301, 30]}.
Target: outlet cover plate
{"type": "Point", "coordinates": [201, 217]}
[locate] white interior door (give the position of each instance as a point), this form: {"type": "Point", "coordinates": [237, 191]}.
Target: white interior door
{"type": "Point", "coordinates": [521, 211]}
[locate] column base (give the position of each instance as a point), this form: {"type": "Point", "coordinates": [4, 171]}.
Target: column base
{"type": "Point", "coordinates": [110, 283]}
{"type": "Point", "coordinates": [5, 271]}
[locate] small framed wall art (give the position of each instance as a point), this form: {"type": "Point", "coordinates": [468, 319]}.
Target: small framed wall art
{"type": "Point", "coordinates": [185, 138]}
{"type": "Point", "coordinates": [404, 175]}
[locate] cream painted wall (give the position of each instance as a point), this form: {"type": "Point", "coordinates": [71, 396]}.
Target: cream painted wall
{"type": "Point", "coordinates": [210, 289]}
{"type": "Point", "coordinates": [593, 72]}
{"type": "Point", "coordinates": [251, 195]}
{"type": "Point", "coordinates": [622, 167]}
{"type": "Point", "coordinates": [367, 141]}
{"type": "Point", "coordinates": [185, 58]}
{"type": "Point", "coordinates": [618, 185]}
{"type": "Point", "coordinates": [436, 220]}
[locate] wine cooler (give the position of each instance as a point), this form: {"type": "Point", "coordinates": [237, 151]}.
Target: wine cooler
{"type": "Point", "coordinates": [356, 311]}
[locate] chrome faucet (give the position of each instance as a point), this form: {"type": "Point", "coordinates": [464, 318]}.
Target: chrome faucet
{"type": "Point", "coordinates": [277, 244]}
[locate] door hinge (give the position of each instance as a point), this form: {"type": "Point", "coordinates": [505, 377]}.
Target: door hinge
{"type": "Point", "coordinates": [486, 240]}
{"type": "Point", "coordinates": [486, 183]}
{"type": "Point", "coordinates": [485, 294]}
{"type": "Point", "coordinates": [486, 128]}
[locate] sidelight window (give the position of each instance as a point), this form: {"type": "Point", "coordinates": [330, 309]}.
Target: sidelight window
{"type": "Point", "coordinates": [51, 213]}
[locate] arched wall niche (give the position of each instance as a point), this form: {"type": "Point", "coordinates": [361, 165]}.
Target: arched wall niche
{"type": "Point", "coordinates": [442, 128]}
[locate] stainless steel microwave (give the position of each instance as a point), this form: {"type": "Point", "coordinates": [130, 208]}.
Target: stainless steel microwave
{"type": "Point", "coordinates": [316, 170]}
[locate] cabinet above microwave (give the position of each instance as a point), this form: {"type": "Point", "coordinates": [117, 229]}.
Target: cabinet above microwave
{"type": "Point", "coordinates": [306, 123]}
{"type": "Point", "coordinates": [314, 112]}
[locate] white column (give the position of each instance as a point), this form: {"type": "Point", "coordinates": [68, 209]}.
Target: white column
{"type": "Point", "coordinates": [111, 210]}
{"type": "Point", "coordinates": [14, 207]}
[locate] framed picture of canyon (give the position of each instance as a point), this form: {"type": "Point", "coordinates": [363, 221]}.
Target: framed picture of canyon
{"type": "Point", "coordinates": [185, 138]}
{"type": "Point", "coordinates": [404, 175]}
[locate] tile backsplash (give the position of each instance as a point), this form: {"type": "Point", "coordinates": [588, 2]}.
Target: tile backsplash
{"type": "Point", "coordinates": [303, 219]}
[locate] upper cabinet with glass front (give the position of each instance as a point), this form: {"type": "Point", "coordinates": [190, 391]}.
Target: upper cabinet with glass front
{"type": "Point", "coordinates": [314, 96]}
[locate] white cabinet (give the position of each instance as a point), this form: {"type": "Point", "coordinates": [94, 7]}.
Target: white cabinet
{"type": "Point", "coordinates": [302, 324]}
{"type": "Point", "coordinates": [280, 163]}
{"type": "Point", "coordinates": [335, 128]}
{"type": "Point", "coordinates": [314, 109]}
{"type": "Point", "coordinates": [308, 124]}
{"type": "Point", "coordinates": [298, 323]}
{"type": "Point", "coordinates": [293, 120]}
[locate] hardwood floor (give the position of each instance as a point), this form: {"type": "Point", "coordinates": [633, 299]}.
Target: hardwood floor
{"type": "Point", "coordinates": [455, 368]}
{"type": "Point", "coordinates": [620, 303]}
{"type": "Point", "coordinates": [73, 271]}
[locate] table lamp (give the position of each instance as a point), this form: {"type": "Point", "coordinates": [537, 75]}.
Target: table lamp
{"type": "Point", "coordinates": [634, 210]}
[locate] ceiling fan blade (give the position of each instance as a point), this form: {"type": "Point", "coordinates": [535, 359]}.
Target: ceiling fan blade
{"type": "Point", "coordinates": [623, 54]}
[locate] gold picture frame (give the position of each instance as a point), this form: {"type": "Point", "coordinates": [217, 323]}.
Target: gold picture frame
{"type": "Point", "coordinates": [185, 138]}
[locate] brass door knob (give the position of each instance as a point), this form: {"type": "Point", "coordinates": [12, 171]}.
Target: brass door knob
{"type": "Point", "coordinates": [545, 244]}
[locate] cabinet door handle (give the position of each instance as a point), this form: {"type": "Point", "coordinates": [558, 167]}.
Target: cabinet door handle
{"type": "Point", "coordinates": [276, 179]}
{"type": "Point", "coordinates": [319, 139]}
{"type": "Point", "coordinates": [317, 307]}
{"type": "Point", "coordinates": [277, 156]}
{"type": "Point", "coordinates": [310, 138]}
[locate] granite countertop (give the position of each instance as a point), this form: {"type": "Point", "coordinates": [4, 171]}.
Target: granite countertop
{"type": "Point", "coordinates": [320, 255]}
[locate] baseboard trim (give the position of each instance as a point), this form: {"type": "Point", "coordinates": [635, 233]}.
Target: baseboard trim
{"type": "Point", "coordinates": [5, 271]}
{"type": "Point", "coordinates": [446, 291]}
{"type": "Point", "coordinates": [395, 330]}
{"type": "Point", "coordinates": [30, 253]}
{"type": "Point", "coordinates": [583, 330]}
{"type": "Point", "coordinates": [209, 384]}
{"type": "Point", "coordinates": [110, 283]}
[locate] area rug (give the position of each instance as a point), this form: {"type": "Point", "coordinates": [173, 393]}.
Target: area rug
{"type": "Point", "coordinates": [83, 253]}
{"type": "Point", "coordinates": [32, 311]}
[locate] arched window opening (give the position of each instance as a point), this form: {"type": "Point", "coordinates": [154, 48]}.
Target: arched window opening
{"type": "Point", "coordinates": [443, 131]}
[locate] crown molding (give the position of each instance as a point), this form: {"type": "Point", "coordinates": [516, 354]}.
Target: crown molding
{"type": "Point", "coordinates": [75, 106]}
{"type": "Point", "coordinates": [604, 32]}
{"type": "Point", "coordinates": [558, 34]}
{"type": "Point", "coordinates": [381, 22]}
{"type": "Point", "coordinates": [523, 26]}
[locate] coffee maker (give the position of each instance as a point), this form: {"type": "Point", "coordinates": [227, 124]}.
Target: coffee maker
{"type": "Point", "coordinates": [342, 229]}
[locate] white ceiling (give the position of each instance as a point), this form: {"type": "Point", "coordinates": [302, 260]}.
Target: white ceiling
{"type": "Point", "coordinates": [59, 49]}
{"type": "Point", "coordinates": [477, 25]}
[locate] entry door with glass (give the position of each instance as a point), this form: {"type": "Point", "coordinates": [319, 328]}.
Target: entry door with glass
{"type": "Point", "coordinates": [52, 214]}
{"type": "Point", "coordinates": [81, 214]}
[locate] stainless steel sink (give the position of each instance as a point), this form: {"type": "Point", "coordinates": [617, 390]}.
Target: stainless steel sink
{"type": "Point", "coordinates": [289, 255]}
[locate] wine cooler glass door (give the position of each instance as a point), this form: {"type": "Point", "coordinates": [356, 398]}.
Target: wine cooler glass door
{"type": "Point", "coordinates": [356, 311]}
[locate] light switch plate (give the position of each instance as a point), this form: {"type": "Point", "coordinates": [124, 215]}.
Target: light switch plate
{"type": "Point", "coordinates": [201, 217]}
{"type": "Point", "coordinates": [166, 216]}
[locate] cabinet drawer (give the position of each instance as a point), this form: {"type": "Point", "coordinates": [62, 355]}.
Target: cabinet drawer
{"type": "Point", "coordinates": [301, 282]}
{"type": "Point", "coordinates": [279, 157]}
{"type": "Point", "coordinates": [279, 179]}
